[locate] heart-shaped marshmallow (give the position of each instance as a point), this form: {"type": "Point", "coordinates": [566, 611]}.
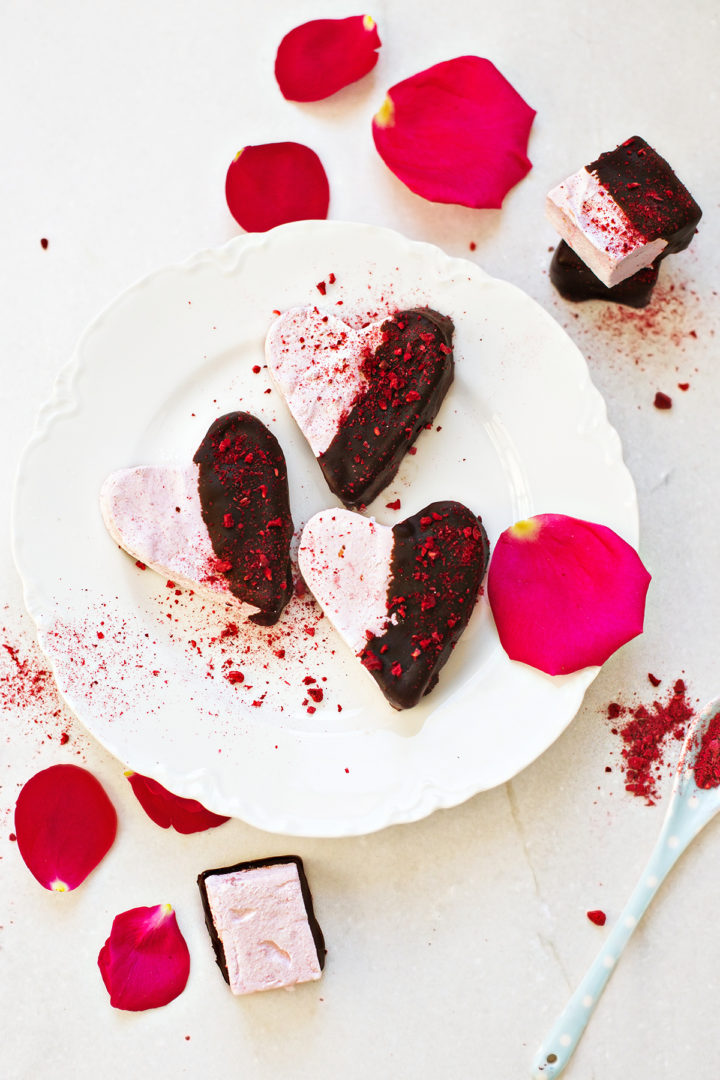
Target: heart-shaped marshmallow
{"type": "Point", "coordinates": [361, 397]}
{"type": "Point", "coordinates": [402, 596]}
{"type": "Point", "coordinates": [221, 524]}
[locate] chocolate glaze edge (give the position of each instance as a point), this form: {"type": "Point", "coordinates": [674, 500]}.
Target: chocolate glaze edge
{"type": "Point", "coordinates": [648, 191]}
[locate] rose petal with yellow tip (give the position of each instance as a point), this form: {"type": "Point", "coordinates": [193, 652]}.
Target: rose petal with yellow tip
{"type": "Point", "coordinates": [273, 183]}
{"type": "Point", "coordinates": [166, 810]}
{"type": "Point", "coordinates": [320, 57]}
{"type": "Point", "coordinates": [145, 962]}
{"type": "Point", "coordinates": [65, 824]}
{"type": "Point", "coordinates": [456, 133]}
{"type": "Point", "coordinates": [565, 593]}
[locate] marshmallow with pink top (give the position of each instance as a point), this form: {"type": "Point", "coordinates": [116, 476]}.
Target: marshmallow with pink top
{"type": "Point", "coordinates": [262, 925]}
{"type": "Point", "coordinates": [623, 212]}
{"type": "Point", "coordinates": [154, 513]}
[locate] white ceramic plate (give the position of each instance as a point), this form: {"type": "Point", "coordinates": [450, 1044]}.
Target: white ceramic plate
{"type": "Point", "coordinates": [143, 665]}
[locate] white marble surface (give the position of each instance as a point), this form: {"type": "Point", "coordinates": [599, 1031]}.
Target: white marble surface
{"type": "Point", "coordinates": [452, 942]}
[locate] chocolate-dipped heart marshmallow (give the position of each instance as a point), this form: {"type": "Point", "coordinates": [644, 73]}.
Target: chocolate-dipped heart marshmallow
{"type": "Point", "coordinates": [402, 596]}
{"type": "Point", "coordinates": [361, 397]}
{"type": "Point", "coordinates": [221, 524]}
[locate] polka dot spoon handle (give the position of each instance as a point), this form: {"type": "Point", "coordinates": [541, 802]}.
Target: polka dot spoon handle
{"type": "Point", "coordinates": [689, 811]}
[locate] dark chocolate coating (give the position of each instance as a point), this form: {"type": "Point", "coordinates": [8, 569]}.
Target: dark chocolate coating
{"type": "Point", "coordinates": [246, 508]}
{"type": "Point", "coordinates": [650, 194]}
{"type": "Point", "coordinates": [409, 375]}
{"type": "Point", "coordinates": [439, 559]}
{"type": "Point", "coordinates": [575, 281]}
{"type": "Point", "coordinates": [253, 864]}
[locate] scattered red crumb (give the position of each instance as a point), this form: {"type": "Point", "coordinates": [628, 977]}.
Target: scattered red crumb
{"type": "Point", "coordinates": [29, 697]}
{"type": "Point", "coordinates": [412, 450]}
{"type": "Point", "coordinates": [44, 243]}
{"type": "Point", "coordinates": [645, 736]}
{"type": "Point", "coordinates": [683, 386]}
{"type": "Point", "coordinates": [256, 369]}
{"type": "Point", "coordinates": [140, 565]}
{"type": "Point", "coordinates": [597, 917]}
{"type": "Point", "coordinates": [662, 401]}
{"type": "Point", "coordinates": [321, 287]}
{"type": "Point", "coordinates": [315, 693]}
{"type": "Point", "coordinates": [394, 505]}
{"type": "Point", "coordinates": [654, 679]}
{"type": "Point", "coordinates": [472, 245]}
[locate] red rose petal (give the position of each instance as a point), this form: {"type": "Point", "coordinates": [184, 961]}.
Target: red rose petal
{"type": "Point", "coordinates": [145, 962]}
{"type": "Point", "coordinates": [65, 824]}
{"type": "Point", "coordinates": [318, 58]}
{"type": "Point", "coordinates": [165, 809]}
{"type": "Point", "coordinates": [456, 133]}
{"type": "Point", "coordinates": [274, 183]}
{"type": "Point", "coordinates": [565, 593]}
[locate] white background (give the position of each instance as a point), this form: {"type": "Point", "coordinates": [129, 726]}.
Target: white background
{"type": "Point", "coordinates": [452, 942]}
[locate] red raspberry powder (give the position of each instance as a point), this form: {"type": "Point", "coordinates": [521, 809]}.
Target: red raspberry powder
{"type": "Point", "coordinates": [707, 762]}
{"type": "Point", "coordinates": [647, 732]}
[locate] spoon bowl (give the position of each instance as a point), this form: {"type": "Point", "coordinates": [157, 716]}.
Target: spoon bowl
{"type": "Point", "coordinates": [689, 810]}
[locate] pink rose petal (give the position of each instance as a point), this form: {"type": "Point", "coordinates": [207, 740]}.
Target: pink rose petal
{"type": "Point", "coordinates": [145, 962]}
{"type": "Point", "coordinates": [318, 58]}
{"type": "Point", "coordinates": [456, 133]}
{"type": "Point", "coordinates": [565, 593]}
{"type": "Point", "coordinates": [65, 824]}
{"type": "Point", "coordinates": [274, 183]}
{"type": "Point", "coordinates": [166, 809]}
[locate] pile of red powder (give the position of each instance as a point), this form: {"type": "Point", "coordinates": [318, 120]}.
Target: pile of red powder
{"type": "Point", "coordinates": [707, 762]}
{"type": "Point", "coordinates": [648, 732]}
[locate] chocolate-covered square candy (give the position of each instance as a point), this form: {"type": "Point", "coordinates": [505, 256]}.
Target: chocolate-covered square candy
{"type": "Point", "coordinates": [623, 211]}
{"type": "Point", "coordinates": [261, 922]}
{"type": "Point", "coordinates": [574, 281]}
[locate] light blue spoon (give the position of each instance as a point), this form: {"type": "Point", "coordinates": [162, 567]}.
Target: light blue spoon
{"type": "Point", "coordinates": [689, 811]}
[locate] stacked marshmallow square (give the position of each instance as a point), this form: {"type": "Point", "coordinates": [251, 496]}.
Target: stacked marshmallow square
{"type": "Point", "coordinates": [619, 216]}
